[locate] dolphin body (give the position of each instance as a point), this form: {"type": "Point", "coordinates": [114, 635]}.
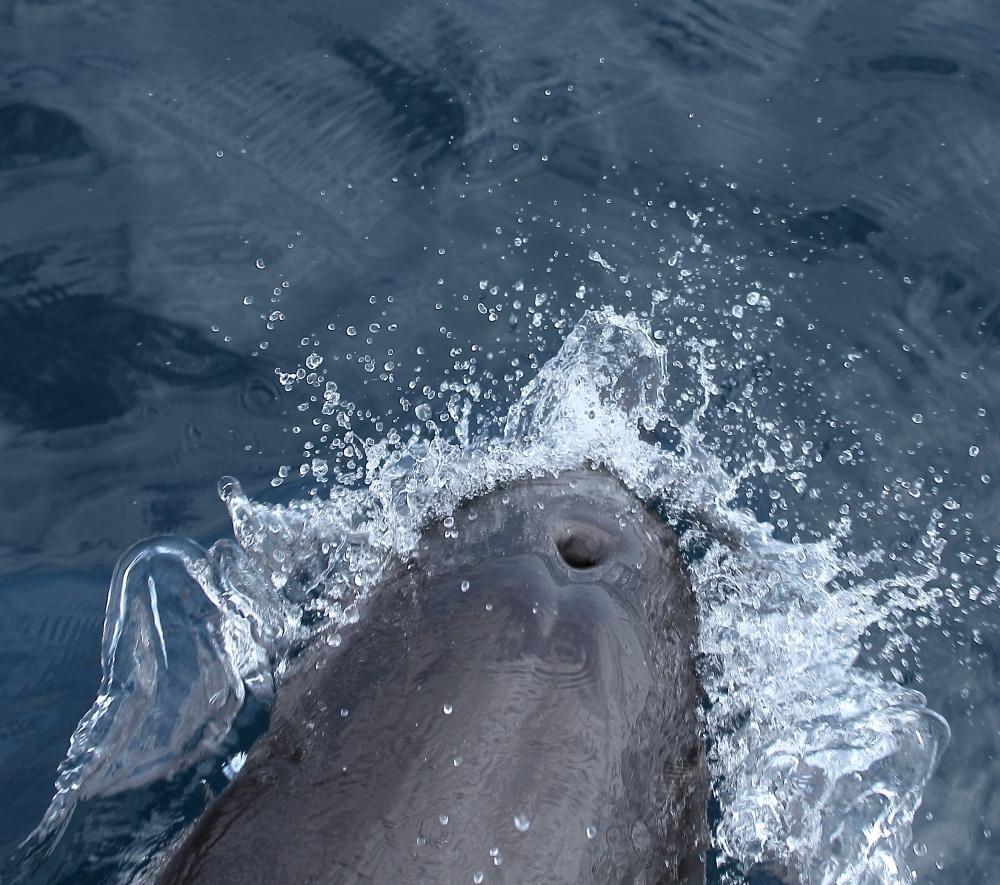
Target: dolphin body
{"type": "Point", "coordinates": [518, 704]}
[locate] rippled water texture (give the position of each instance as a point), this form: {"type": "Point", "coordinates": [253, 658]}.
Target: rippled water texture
{"type": "Point", "coordinates": [274, 242]}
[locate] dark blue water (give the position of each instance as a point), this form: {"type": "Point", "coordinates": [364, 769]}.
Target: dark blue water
{"type": "Point", "coordinates": [191, 197]}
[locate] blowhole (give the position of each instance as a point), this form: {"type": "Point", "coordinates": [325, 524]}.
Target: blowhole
{"type": "Point", "coordinates": [583, 546]}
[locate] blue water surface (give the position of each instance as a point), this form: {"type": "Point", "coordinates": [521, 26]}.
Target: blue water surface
{"type": "Point", "coordinates": [193, 195]}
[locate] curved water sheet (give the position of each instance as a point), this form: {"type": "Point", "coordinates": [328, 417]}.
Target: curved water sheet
{"type": "Point", "coordinates": [180, 650]}
{"type": "Point", "coordinates": [819, 765]}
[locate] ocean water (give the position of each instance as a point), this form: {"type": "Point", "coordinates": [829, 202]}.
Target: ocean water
{"type": "Point", "coordinates": [370, 260]}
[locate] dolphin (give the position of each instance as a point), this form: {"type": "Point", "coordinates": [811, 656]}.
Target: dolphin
{"type": "Point", "coordinates": [519, 703]}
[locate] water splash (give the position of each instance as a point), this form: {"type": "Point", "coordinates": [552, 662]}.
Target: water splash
{"type": "Point", "coordinates": [818, 764]}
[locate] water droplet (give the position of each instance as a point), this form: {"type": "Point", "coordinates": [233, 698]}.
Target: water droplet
{"type": "Point", "coordinates": [344, 712]}
{"type": "Point", "coordinates": [260, 264]}
{"type": "Point", "coordinates": [522, 822]}
{"type": "Point", "coordinates": [465, 586]}
{"type": "Point", "coordinates": [591, 832]}
{"type": "Point", "coordinates": [917, 418]}
{"type": "Point", "coordinates": [447, 709]}
{"type": "Point", "coordinates": [351, 331]}
{"type": "Point", "coordinates": [456, 761]}
{"type": "Point", "coordinates": [973, 451]}
{"type": "Point", "coordinates": [443, 819]}
{"type": "Point", "coordinates": [477, 877]}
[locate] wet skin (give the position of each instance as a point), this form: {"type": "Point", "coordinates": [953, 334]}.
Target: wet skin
{"type": "Point", "coordinates": [518, 702]}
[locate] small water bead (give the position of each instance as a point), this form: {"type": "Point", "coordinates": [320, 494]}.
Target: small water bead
{"type": "Point", "coordinates": [457, 761]}
{"type": "Point", "coordinates": [260, 264]}
{"type": "Point", "coordinates": [522, 822]}
{"type": "Point", "coordinates": [465, 586]}
{"type": "Point", "coordinates": [489, 606]}
{"type": "Point", "coordinates": [477, 877]}
{"type": "Point", "coordinates": [591, 832]}
{"type": "Point", "coordinates": [351, 331]}
{"type": "Point", "coordinates": [973, 451]}
{"type": "Point", "coordinates": [344, 712]}
{"type": "Point", "coordinates": [443, 820]}
{"type": "Point", "coordinates": [447, 709]}
{"type": "Point", "coordinates": [917, 418]}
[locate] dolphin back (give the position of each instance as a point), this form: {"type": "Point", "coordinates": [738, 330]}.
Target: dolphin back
{"type": "Point", "coordinates": [519, 703]}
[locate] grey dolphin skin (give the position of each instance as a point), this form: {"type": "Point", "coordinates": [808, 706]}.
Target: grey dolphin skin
{"type": "Point", "coordinates": [519, 703]}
